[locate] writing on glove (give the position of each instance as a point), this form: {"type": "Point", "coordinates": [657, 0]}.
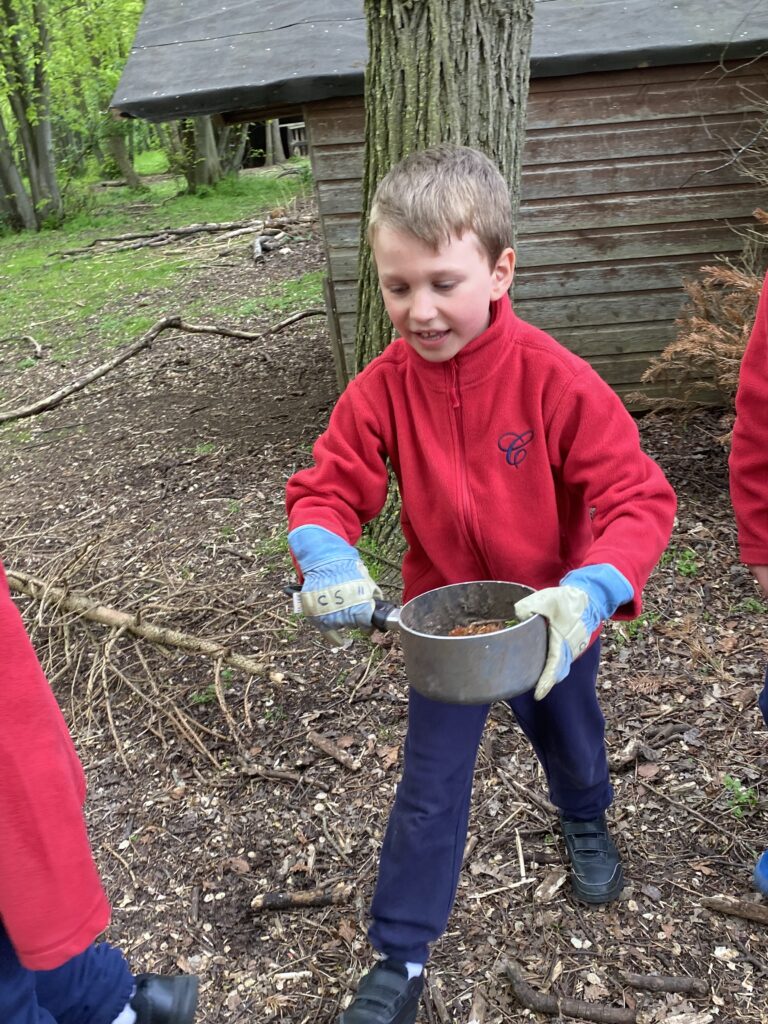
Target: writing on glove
{"type": "Point", "coordinates": [574, 610]}
{"type": "Point", "coordinates": [337, 592]}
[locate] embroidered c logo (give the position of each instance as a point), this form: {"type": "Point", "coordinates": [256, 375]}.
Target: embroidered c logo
{"type": "Point", "coordinates": [514, 446]}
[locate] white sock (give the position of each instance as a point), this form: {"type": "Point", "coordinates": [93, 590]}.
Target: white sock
{"type": "Point", "coordinates": [414, 970]}
{"type": "Point", "coordinates": [126, 1016]}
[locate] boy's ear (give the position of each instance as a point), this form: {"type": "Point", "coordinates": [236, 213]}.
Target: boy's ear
{"type": "Point", "coordinates": [503, 272]}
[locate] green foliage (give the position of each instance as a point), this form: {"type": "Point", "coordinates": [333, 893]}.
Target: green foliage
{"type": "Point", "coordinates": [751, 605]}
{"type": "Point", "coordinates": [687, 563]}
{"type": "Point", "coordinates": [741, 799]}
{"type": "Point", "coordinates": [625, 632]}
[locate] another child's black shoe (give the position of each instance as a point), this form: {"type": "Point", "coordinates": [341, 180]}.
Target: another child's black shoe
{"type": "Point", "coordinates": [385, 995]}
{"type": "Point", "coordinates": [161, 1000]}
{"type": "Point", "coordinates": [596, 872]}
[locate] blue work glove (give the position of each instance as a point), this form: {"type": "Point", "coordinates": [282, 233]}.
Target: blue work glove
{"type": "Point", "coordinates": [338, 592]}
{"type": "Point", "coordinates": [574, 610]}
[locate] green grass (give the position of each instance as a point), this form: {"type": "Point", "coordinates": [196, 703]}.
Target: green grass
{"type": "Point", "coordinates": [287, 297]}
{"type": "Point", "coordinates": [117, 296]}
{"type": "Point", "coordinates": [153, 161]}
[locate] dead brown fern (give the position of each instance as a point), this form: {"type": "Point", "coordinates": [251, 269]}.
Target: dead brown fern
{"type": "Point", "coordinates": [714, 327]}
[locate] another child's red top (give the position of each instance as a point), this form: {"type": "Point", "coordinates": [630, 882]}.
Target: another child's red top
{"type": "Point", "coordinates": [515, 461]}
{"type": "Point", "coordinates": [749, 451]}
{"type": "Point", "coordinates": [52, 903]}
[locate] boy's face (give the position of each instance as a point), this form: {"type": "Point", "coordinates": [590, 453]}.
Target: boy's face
{"type": "Point", "coordinates": [438, 301]}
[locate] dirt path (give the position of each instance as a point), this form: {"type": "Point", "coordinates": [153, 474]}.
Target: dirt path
{"type": "Point", "coordinates": [160, 489]}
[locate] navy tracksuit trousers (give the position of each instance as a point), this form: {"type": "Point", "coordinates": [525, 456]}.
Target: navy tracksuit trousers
{"type": "Point", "coordinates": [92, 988]}
{"type": "Point", "coordinates": [424, 842]}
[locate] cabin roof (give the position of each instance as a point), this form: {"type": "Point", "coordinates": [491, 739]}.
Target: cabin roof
{"type": "Point", "coordinates": [237, 57]}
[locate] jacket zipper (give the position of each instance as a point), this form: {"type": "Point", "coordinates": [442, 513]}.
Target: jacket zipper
{"type": "Point", "coordinates": [466, 501]}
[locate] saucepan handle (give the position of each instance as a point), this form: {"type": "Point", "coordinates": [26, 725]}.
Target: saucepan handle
{"type": "Point", "coordinates": [386, 616]}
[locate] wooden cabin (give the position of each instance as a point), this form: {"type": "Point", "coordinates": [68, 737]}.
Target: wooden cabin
{"type": "Point", "coordinates": [632, 175]}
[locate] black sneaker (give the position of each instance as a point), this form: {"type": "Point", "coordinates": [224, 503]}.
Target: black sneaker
{"type": "Point", "coordinates": [596, 872]}
{"type": "Point", "coordinates": [385, 996]}
{"type": "Point", "coordinates": [161, 1000]}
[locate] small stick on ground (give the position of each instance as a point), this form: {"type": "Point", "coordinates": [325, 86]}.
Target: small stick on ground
{"type": "Point", "coordinates": [436, 997]}
{"type": "Point", "coordinates": [334, 751]}
{"type": "Point", "coordinates": [666, 983]}
{"type": "Point", "coordinates": [477, 1011]}
{"type": "Point", "coordinates": [299, 900]}
{"type": "Point", "coordinates": [736, 908]}
{"type": "Point", "coordinates": [541, 1002]}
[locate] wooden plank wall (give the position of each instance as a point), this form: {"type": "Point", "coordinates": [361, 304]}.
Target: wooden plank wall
{"type": "Point", "coordinates": [629, 186]}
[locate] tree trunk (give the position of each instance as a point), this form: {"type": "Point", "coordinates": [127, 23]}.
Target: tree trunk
{"type": "Point", "coordinates": [278, 150]}
{"type": "Point", "coordinates": [438, 71]}
{"type": "Point", "coordinates": [232, 150]}
{"type": "Point", "coordinates": [207, 166]}
{"type": "Point", "coordinates": [188, 152]}
{"type": "Point", "coordinates": [119, 153]}
{"type": "Point", "coordinates": [17, 205]}
{"type": "Point", "coordinates": [28, 98]}
{"type": "Point", "coordinates": [46, 160]}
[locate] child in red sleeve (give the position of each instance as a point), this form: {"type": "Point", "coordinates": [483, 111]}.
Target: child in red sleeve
{"type": "Point", "coordinates": [748, 466]}
{"type": "Point", "coordinates": [514, 462]}
{"type": "Point", "coordinates": [52, 905]}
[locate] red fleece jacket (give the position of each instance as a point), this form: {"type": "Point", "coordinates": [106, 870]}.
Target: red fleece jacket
{"type": "Point", "coordinates": [515, 461]}
{"type": "Point", "coordinates": [749, 451]}
{"type": "Point", "coordinates": [51, 901]}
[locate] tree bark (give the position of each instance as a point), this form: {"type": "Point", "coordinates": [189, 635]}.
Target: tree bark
{"type": "Point", "coordinates": [28, 98]}
{"type": "Point", "coordinates": [16, 201]}
{"type": "Point", "coordinates": [207, 165]}
{"type": "Point", "coordinates": [278, 150]}
{"type": "Point", "coordinates": [46, 159]}
{"type": "Point", "coordinates": [119, 153]}
{"type": "Point", "coordinates": [438, 71]}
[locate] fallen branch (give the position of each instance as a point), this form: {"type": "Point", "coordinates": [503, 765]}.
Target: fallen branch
{"type": "Point", "coordinates": [137, 240]}
{"type": "Point", "coordinates": [736, 908]}
{"type": "Point", "coordinates": [26, 337]}
{"type": "Point", "coordinates": [43, 592]}
{"type": "Point", "coordinates": [541, 1002]}
{"type": "Point", "coordinates": [133, 236]}
{"type": "Point", "coordinates": [82, 382]}
{"type": "Point", "coordinates": [299, 900]}
{"type": "Point", "coordinates": [334, 751]}
{"type": "Point", "coordinates": [46, 404]}
{"type": "Point", "coordinates": [665, 983]}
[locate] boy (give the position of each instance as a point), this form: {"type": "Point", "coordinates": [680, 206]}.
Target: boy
{"type": "Point", "coordinates": [748, 465]}
{"type": "Point", "coordinates": [514, 462]}
{"type": "Point", "coordinates": [52, 905]}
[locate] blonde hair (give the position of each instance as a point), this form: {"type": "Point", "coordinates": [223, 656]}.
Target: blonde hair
{"type": "Point", "coordinates": [443, 191]}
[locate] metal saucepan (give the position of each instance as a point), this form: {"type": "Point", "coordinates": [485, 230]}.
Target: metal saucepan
{"type": "Point", "coordinates": [470, 669]}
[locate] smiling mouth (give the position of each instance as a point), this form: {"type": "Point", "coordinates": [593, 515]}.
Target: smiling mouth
{"type": "Point", "coordinates": [430, 337]}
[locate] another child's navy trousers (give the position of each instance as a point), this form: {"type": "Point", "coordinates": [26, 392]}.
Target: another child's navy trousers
{"type": "Point", "coordinates": [424, 843]}
{"type": "Point", "coordinates": [92, 988]}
